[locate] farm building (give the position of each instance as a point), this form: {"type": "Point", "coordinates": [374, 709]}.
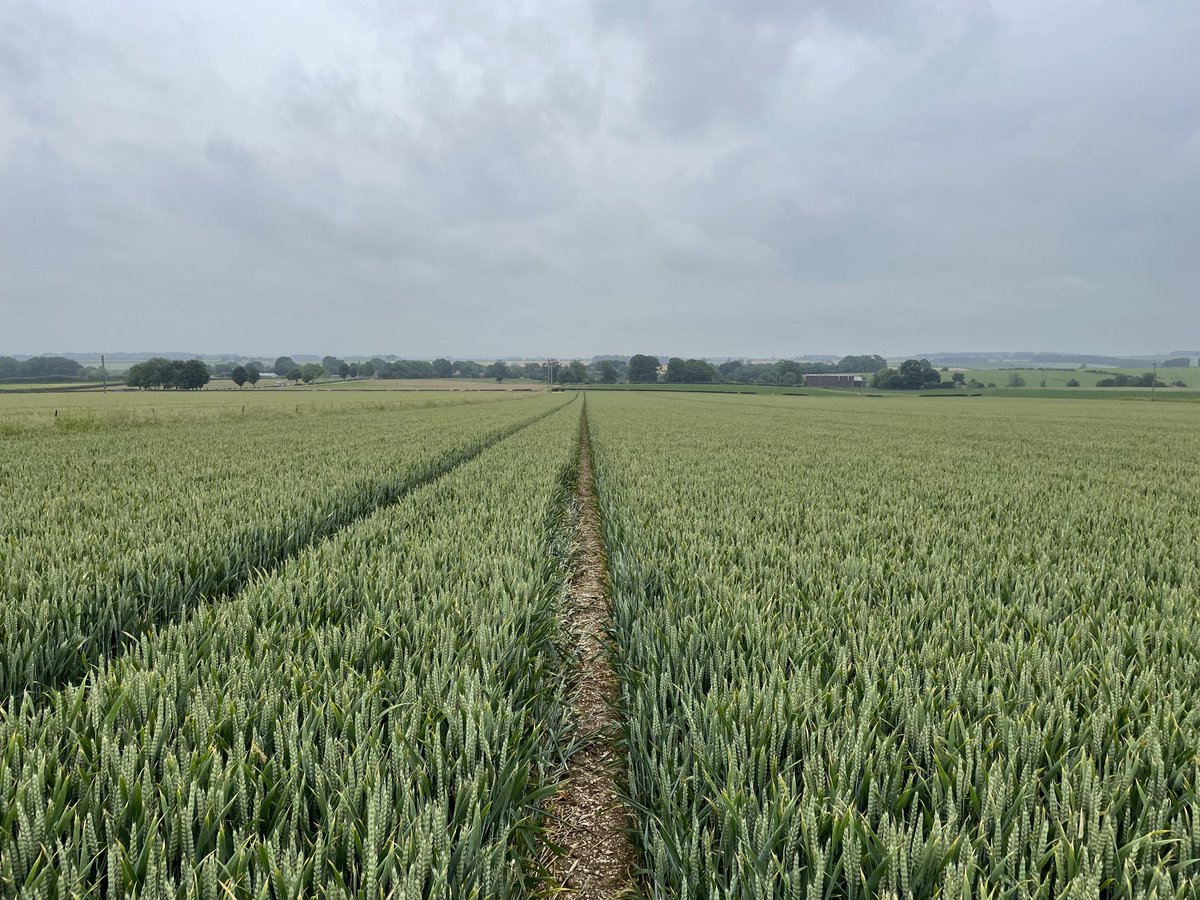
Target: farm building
{"type": "Point", "coordinates": [833, 381]}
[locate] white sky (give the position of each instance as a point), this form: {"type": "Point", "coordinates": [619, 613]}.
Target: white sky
{"type": "Point", "coordinates": [731, 177]}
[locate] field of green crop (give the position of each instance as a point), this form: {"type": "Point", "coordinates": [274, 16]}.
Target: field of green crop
{"type": "Point", "coordinates": [110, 532]}
{"type": "Point", "coordinates": [1087, 377]}
{"type": "Point", "coordinates": [863, 648]}
{"type": "Point", "coordinates": [917, 650]}
{"type": "Point", "coordinates": [21, 412]}
{"type": "Point", "coordinates": [373, 719]}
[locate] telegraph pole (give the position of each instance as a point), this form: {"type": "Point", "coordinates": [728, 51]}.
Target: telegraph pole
{"type": "Point", "coordinates": [1153, 381]}
{"type": "Point", "coordinates": [103, 373]}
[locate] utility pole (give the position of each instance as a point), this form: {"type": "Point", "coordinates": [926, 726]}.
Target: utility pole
{"type": "Point", "coordinates": [1153, 381]}
{"type": "Point", "coordinates": [103, 373]}
{"type": "Point", "coordinates": [550, 364]}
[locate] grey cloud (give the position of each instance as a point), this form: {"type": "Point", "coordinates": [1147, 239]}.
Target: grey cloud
{"type": "Point", "coordinates": [730, 177]}
{"type": "Point", "coordinates": [706, 64]}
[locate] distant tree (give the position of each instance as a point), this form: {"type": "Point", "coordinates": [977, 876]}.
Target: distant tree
{"type": "Point", "coordinates": [690, 371]}
{"type": "Point", "coordinates": [746, 373]}
{"type": "Point", "coordinates": [284, 364]}
{"type": "Point", "coordinates": [354, 370]}
{"type": "Point", "coordinates": [608, 373]}
{"type": "Point", "coordinates": [253, 375]}
{"type": "Point", "coordinates": [157, 373]}
{"type": "Point", "coordinates": [787, 371]}
{"type": "Point", "coordinates": [153, 373]}
{"type": "Point", "coordinates": [294, 374]}
{"type": "Point", "coordinates": [497, 370]}
{"type": "Point", "coordinates": [331, 364]}
{"type": "Point", "coordinates": [1179, 362]}
{"type": "Point", "coordinates": [1016, 381]}
{"type": "Point", "coordinates": [911, 375]}
{"type": "Point", "coordinates": [195, 375]}
{"type": "Point", "coordinates": [918, 373]}
{"type": "Point", "coordinates": [343, 371]}
{"type": "Point", "coordinates": [959, 378]}
{"type": "Point", "coordinates": [882, 377]}
{"type": "Point", "coordinates": [468, 369]}
{"type": "Point", "coordinates": [310, 372]}
{"type": "Point", "coordinates": [443, 368]}
{"type": "Point", "coordinates": [239, 375]}
{"type": "Point", "coordinates": [135, 376]}
{"type": "Point", "coordinates": [871, 363]}
{"type": "Point", "coordinates": [174, 374]}
{"type": "Point", "coordinates": [1072, 382]}
{"type": "Point", "coordinates": [574, 372]}
{"type": "Point", "coordinates": [643, 369]}
{"type": "Point", "coordinates": [409, 368]}
{"type": "Point", "coordinates": [1179, 384]}
{"type": "Point", "coordinates": [42, 367]}
{"type": "Point", "coordinates": [726, 369]}
{"type": "Point", "coordinates": [1120, 379]}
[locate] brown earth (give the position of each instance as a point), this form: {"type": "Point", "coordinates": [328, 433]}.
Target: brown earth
{"type": "Point", "coordinates": [587, 818]}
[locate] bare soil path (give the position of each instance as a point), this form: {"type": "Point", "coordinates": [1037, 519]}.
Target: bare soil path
{"type": "Point", "coordinates": [588, 820]}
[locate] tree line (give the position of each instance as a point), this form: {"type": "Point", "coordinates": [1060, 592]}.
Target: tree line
{"type": "Point", "coordinates": [332, 366]}
{"type": "Point", "coordinates": [41, 367]}
{"type": "Point", "coordinates": [637, 369]}
{"type": "Point", "coordinates": [645, 369]}
{"type": "Point", "coordinates": [168, 374]}
{"type": "Point", "coordinates": [160, 373]}
{"type": "Point", "coordinates": [910, 375]}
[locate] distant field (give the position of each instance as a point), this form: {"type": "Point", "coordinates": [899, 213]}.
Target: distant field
{"type": "Point", "coordinates": [709, 388]}
{"type": "Point", "coordinates": [268, 384]}
{"type": "Point", "coordinates": [1058, 378]}
{"type": "Point", "coordinates": [39, 386]}
{"type": "Point", "coordinates": [1055, 388]}
{"type": "Point", "coordinates": [1166, 395]}
{"type": "Point", "coordinates": [21, 412]}
{"type": "Point", "coordinates": [384, 384]}
{"type": "Point", "coordinates": [417, 384]}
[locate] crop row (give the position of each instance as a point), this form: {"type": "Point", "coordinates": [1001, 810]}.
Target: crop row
{"type": "Point", "coordinates": [375, 719]}
{"type": "Point", "coordinates": [106, 534]}
{"type": "Point", "coordinates": [906, 651]}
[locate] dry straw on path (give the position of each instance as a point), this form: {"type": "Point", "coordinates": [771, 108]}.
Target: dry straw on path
{"type": "Point", "coordinates": [589, 821]}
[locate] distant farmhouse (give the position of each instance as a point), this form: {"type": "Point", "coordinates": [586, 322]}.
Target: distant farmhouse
{"type": "Point", "coordinates": [833, 381]}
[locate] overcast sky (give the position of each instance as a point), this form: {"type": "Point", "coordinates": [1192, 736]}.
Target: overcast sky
{"type": "Point", "coordinates": [752, 177]}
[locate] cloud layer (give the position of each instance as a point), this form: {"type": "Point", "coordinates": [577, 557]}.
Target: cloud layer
{"type": "Point", "coordinates": [730, 177]}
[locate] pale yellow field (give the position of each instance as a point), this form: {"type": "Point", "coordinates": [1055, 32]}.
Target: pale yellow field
{"type": "Point", "coordinates": [24, 411]}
